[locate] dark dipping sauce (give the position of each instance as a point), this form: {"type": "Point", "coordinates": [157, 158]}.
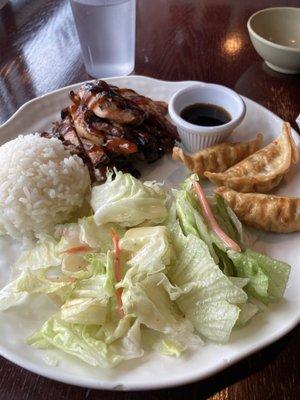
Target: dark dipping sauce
{"type": "Point", "coordinates": [205, 114]}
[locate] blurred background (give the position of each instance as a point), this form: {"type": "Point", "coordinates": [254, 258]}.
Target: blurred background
{"type": "Point", "coordinates": [184, 39]}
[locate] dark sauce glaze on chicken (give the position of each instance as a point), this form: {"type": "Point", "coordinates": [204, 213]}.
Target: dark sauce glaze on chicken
{"type": "Point", "coordinates": [111, 127]}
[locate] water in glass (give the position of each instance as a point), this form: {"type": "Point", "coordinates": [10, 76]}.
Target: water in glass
{"type": "Point", "coordinates": [106, 30]}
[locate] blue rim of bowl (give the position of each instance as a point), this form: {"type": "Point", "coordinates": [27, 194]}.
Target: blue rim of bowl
{"type": "Point", "coordinates": [209, 129]}
{"type": "Point", "coordinates": [266, 41]}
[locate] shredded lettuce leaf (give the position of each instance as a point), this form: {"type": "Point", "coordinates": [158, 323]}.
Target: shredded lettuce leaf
{"type": "Point", "coordinates": [247, 311]}
{"type": "Point", "coordinates": [11, 296]}
{"type": "Point", "coordinates": [267, 277]}
{"type": "Point", "coordinates": [210, 300]}
{"type": "Point", "coordinates": [88, 311]}
{"type": "Point", "coordinates": [179, 283]}
{"type": "Point", "coordinates": [147, 292]}
{"type": "Point", "coordinates": [82, 341]}
{"type": "Point", "coordinates": [128, 202]}
{"type": "Point", "coordinates": [86, 233]}
{"type": "Point", "coordinates": [32, 282]}
{"type": "Point", "coordinates": [45, 254]}
{"type": "Point", "coordinates": [149, 250]}
{"type": "Point", "coordinates": [150, 302]}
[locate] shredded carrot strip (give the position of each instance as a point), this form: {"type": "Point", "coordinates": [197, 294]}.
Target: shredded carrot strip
{"type": "Point", "coordinates": [212, 221]}
{"type": "Point", "coordinates": [118, 271]}
{"type": "Point", "coordinates": [77, 249]}
{"type": "Point", "coordinates": [120, 303]}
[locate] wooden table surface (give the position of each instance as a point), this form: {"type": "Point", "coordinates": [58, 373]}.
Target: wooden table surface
{"type": "Point", "coordinates": [176, 40]}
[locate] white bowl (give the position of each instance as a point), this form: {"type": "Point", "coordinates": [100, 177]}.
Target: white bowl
{"type": "Point", "coordinates": [195, 137]}
{"type": "Point", "coordinates": [275, 35]}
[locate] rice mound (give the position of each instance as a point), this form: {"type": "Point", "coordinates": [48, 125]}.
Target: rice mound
{"type": "Point", "coordinates": [41, 185]}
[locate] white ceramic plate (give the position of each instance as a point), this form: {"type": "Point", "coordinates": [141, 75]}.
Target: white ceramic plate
{"type": "Point", "coordinates": [153, 370]}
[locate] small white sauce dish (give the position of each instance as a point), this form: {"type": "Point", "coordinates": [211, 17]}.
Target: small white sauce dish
{"type": "Point", "coordinates": [275, 35]}
{"type": "Point", "coordinates": [197, 137]}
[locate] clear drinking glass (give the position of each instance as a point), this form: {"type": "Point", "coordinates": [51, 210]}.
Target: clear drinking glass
{"type": "Point", "coordinates": [106, 31]}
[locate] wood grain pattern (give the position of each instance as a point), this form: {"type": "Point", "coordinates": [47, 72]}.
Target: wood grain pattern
{"type": "Point", "coordinates": [176, 39]}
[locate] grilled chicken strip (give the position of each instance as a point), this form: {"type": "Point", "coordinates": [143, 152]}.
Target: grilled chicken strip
{"type": "Point", "coordinates": [112, 127]}
{"type": "Point", "coordinates": [146, 137]}
{"type": "Point", "coordinates": [91, 154]}
{"type": "Point", "coordinates": [145, 103]}
{"type": "Point", "coordinates": [156, 111]}
{"type": "Point", "coordinates": [66, 132]}
{"type": "Point", "coordinates": [81, 116]}
{"type": "Point", "coordinates": [95, 135]}
{"type": "Point", "coordinates": [122, 106]}
{"type": "Point", "coordinates": [106, 103]}
{"type": "Point", "coordinates": [162, 126]}
{"type": "Point", "coordinates": [90, 124]}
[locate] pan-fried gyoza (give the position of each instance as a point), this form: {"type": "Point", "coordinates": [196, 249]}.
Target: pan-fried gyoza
{"type": "Point", "coordinates": [264, 169]}
{"type": "Point", "coordinates": [217, 158]}
{"type": "Point", "coordinates": [264, 211]}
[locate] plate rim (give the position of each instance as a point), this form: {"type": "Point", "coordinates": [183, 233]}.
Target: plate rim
{"type": "Point", "coordinates": [87, 382]}
{"type": "Point", "coordinates": [49, 372]}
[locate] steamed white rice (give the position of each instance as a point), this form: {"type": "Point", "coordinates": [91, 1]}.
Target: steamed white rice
{"type": "Point", "coordinates": [41, 185]}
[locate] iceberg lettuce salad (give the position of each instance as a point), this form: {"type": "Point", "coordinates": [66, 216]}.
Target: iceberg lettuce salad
{"type": "Point", "coordinates": [148, 270]}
